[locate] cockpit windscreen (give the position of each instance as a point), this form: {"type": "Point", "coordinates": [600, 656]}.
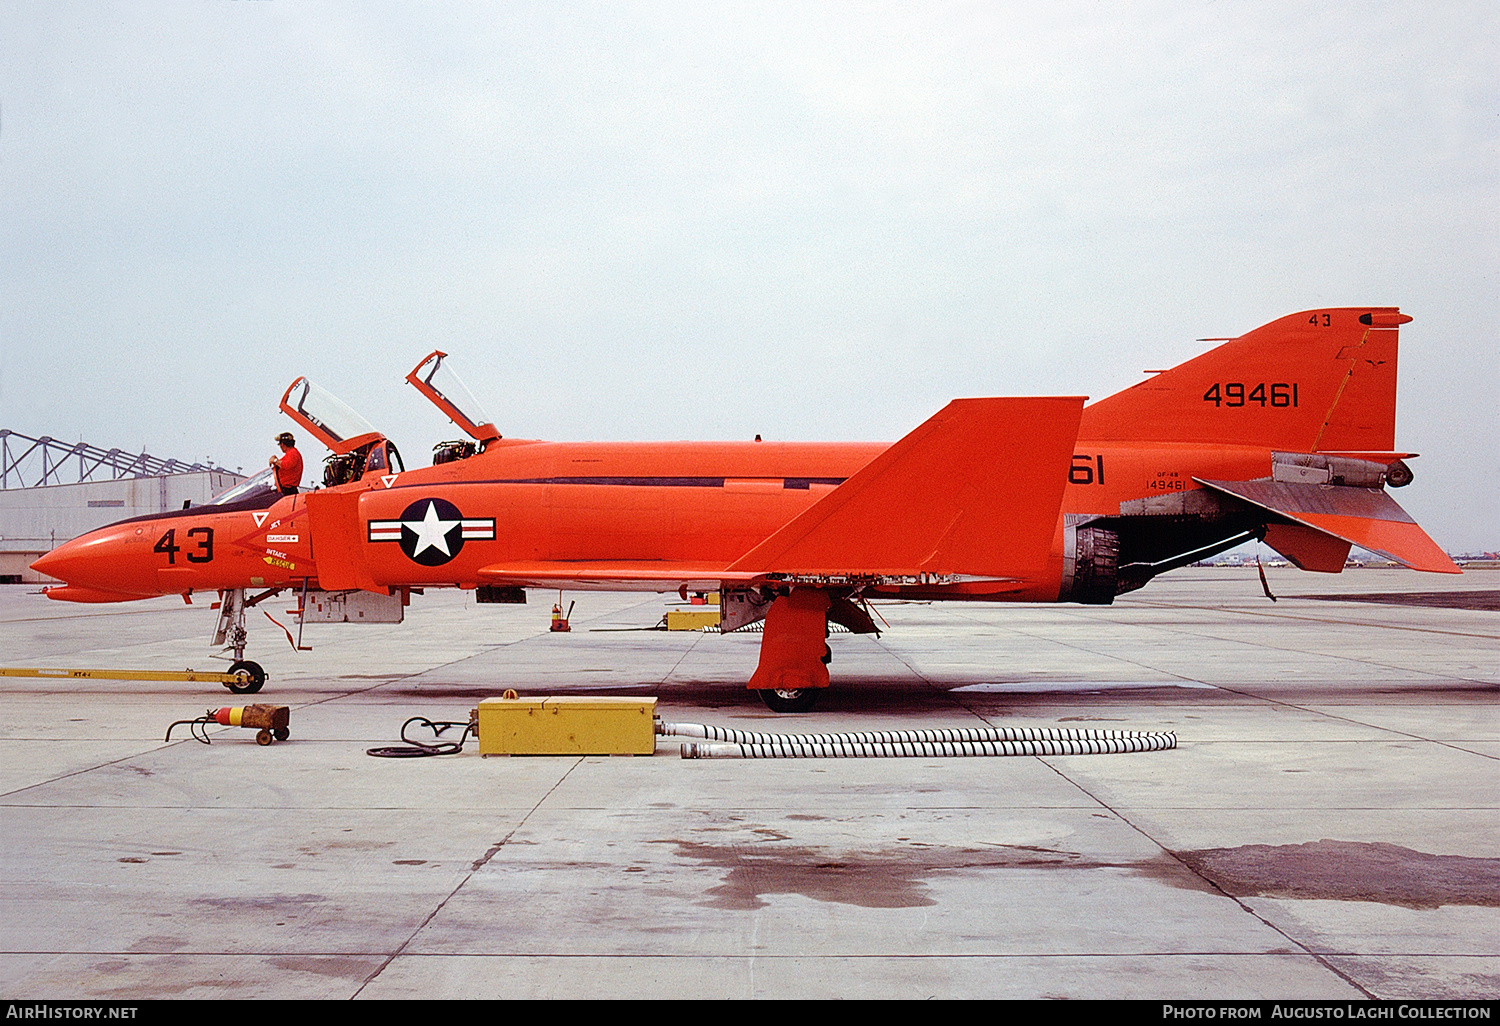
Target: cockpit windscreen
{"type": "Point", "coordinates": [251, 487]}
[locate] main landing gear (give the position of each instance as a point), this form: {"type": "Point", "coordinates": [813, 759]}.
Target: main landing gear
{"type": "Point", "coordinates": [794, 652]}
{"type": "Point", "coordinates": [789, 700]}
{"type": "Point", "coordinates": [794, 700]}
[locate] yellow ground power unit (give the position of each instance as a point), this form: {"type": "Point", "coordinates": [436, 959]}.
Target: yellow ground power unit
{"type": "Point", "coordinates": [567, 725]}
{"type": "Point", "coordinates": [691, 619]}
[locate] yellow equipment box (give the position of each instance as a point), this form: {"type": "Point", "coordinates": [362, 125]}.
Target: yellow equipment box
{"type": "Point", "coordinates": [567, 725]}
{"type": "Point", "coordinates": [691, 619]}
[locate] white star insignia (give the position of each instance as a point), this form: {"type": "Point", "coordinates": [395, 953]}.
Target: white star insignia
{"type": "Point", "coordinates": [431, 532]}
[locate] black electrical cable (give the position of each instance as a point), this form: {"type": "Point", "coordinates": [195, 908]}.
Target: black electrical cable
{"type": "Point", "coordinates": [414, 749]}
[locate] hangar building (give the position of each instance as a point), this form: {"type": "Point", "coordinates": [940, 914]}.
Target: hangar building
{"type": "Point", "coordinates": [52, 491]}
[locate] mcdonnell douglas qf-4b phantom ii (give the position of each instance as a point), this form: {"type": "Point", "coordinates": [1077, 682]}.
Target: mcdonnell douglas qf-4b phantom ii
{"type": "Point", "coordinates": [1285, 434]}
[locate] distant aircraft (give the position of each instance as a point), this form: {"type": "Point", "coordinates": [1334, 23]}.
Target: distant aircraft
{"type": "Point", "coordinates": [1285, 434]}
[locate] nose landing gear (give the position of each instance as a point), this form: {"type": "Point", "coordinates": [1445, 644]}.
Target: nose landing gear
{"type": "Point", "coordinates": [230, 632]}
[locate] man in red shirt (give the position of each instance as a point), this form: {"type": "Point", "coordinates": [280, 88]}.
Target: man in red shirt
{"type": "Point", "coordinates": [288, 465]}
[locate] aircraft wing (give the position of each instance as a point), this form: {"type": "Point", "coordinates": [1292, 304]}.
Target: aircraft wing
{"type": "Point", "coordinates": [973, 492]}
{"type": "Point", "coordinates": [624, 575]}
{"type": "Point", "coordinates": [1366, 517]}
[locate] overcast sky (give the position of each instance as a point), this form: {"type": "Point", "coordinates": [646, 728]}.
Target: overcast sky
{"type": "Point", "coordinates": [708, 220]}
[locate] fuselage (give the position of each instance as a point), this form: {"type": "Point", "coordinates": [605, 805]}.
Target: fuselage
{"type": "Point", "coordinates": [1315, 382]}
{"type": "Point", "coordinates": [682, 503]}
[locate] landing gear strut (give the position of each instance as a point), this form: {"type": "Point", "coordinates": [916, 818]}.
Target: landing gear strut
{"type": "Point", "coordinates": [231, 633]}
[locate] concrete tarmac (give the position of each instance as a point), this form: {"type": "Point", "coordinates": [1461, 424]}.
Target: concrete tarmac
{"type": "Point", "coordinates": [1326, 828]}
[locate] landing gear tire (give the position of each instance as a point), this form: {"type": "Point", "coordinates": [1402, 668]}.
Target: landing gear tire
{"type": "Point", "coordinates": [795, 700]}
{"type": "Point", "coordinates": [252, 680]}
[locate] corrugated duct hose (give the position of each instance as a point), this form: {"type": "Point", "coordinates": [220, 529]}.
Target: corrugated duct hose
{"type": "Point", "coordinates": [898, 744]}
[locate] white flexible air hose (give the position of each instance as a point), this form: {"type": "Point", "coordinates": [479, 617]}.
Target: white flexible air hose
{"type": "Point", "coordinates": [896, 744]}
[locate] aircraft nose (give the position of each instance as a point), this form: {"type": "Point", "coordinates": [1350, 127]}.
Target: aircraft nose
{"type": "Point", "coordinates": [75, 562]}
{"type": "Point", "coordinates": [103, 559]}
{"type": "Point", "coordinates": [55, 563]}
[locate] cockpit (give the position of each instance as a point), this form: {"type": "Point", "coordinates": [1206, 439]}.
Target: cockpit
{"type": "Point", "coordinates": [358, 448]}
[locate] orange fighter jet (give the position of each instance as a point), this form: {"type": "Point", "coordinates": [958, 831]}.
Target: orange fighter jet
{"type": "Point", "coordinates": [1284, 434]}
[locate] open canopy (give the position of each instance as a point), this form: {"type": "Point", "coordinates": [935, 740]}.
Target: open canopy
{"type": "Point", "coordinates": [441, 386]}
{"type": "Point", "coordinates": [327, 417]}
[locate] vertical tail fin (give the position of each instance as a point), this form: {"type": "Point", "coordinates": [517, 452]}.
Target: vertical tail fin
{"type": "Point", "coordinates": [1315, 381]}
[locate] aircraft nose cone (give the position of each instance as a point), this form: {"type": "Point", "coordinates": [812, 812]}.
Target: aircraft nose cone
{"type": "Point", "coordinates": [99, 559]}
{"type": "Point", "coordinates": [53, 564]}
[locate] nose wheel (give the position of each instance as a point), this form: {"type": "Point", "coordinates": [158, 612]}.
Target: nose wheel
{"type": "Point", "coordinates": [250, 677]}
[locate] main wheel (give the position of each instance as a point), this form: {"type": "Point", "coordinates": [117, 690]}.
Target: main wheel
{"type": "Point", "coordinates": [794, 700]}
{"type": "Point", "coordinates": [252, 680]}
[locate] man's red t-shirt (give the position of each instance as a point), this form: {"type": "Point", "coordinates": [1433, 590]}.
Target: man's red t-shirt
{"type": "Point", "coordinates": [289, 469]}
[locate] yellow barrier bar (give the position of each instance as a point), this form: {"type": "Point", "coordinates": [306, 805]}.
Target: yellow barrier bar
{"type": "Point", "coordinates": [65, 672]}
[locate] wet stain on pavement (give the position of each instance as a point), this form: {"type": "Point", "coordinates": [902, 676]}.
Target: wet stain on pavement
{"type": "Point", "coordinates": [1483, 601]}
{"type": "Point", "coordinates": [157, 944]}
{"type": "Point", "coordinates": [349, 845]}
{"type": "Point", "coordinates": [336, 966]}
{"type": "Point", "coordinates": [263, 903]}
{"type": "Point", "coordinates": [894, 878]}
{"type": "Point", "coordinates": [1349, 871]}
{"type": "Point", "coordinates": [901, 877]}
